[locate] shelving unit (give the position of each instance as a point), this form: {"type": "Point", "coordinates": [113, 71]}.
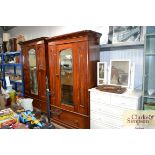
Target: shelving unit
{"type": "Point", "coordinates": [123, 45]}
{"type": "Point", "coordinates": [149, 72]}
{"type": "Point", "coordinates": [18, 85]}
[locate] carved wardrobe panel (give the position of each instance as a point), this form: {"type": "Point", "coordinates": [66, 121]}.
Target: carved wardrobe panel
{"type": "Point", "coordinates": [72, 63]}
{"type": "Point", "coordinates": [34, 68]}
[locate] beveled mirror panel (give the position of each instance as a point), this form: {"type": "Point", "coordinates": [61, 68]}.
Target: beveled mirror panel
{"type": "Point", "coordinates": [33, 71]}
{"type": "Point", "coordinates": [66, 77]}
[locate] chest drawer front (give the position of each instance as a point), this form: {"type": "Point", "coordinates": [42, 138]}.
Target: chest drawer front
{"type": "Point", "coordinates": [124, 102]}
{"type": "Point", "coordinates": [99, 125]}
{"type": "Point", "coordinates": [103, 119]}
{"type": "Point", "coordinates": [100, 98]}
{"type": "Point", "coordinates": [108, 109]}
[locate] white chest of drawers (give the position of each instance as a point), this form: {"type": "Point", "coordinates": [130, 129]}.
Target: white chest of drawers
{"type": "Point", "coordinates": [106, 109]}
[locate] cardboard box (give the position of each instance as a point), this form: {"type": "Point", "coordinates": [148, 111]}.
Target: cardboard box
{"type": "Point", "coordinates": [8, 115]}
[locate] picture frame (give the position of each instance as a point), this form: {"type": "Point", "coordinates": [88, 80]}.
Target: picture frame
{"type": "Point", "coordinates": [120, 74]}
{"type": "Point", "coordinates": [128, 34]}
{"type": "Point", "coordinates": [101, 73]}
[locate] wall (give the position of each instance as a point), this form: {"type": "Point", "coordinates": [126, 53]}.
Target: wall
{"type": "Point", "coordinates": [31, 32]}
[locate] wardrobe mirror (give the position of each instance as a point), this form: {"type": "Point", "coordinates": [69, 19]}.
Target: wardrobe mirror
{"type": "Point", "coordinates": [33, 71]}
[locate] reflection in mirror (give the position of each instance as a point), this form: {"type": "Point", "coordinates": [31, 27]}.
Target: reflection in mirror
{"type": "Point", "coordinates": [33, 72]}
{"type": "Point", "coordinates": [66, 78]}
{"type": "Point", "coordinates": [120, 72]}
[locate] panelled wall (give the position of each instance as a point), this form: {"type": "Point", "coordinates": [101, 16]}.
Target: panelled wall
{"type": "Point", "coordinates": [135, 55]}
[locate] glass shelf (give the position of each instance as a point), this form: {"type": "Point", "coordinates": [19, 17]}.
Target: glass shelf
{"type": "Point", "coordinates": [149, 72]}
{"type": "Point", "coordinates": [129, 45]}
{"type": "Point", "coordinates": [149, 96]}
{"type": "Point", "coordinates": [149, 46]}
{"type": "Point", "coordinates": [150, 54]}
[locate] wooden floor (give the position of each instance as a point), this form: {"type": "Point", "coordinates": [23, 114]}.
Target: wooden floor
{"type": "Point", "coordinates": [58, 126]}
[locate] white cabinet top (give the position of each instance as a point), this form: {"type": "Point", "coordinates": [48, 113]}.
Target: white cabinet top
{"type": "Point", "coordinates": [131, 94]}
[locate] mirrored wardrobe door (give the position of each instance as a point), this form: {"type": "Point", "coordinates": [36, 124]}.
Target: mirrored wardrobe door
{"type": "Point", "coordinates": [65, 87]}
{"type": "Point", "coordinates": [66, 76]}
{"type": "Point", "coordinates": [33, 71]}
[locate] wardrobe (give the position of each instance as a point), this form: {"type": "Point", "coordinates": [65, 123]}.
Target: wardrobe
{"type": "Point", "coordinates": [72, 71]}
{"type": "Point", "coordinates": [34, 71]}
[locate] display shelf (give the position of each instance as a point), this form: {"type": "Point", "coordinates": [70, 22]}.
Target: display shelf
{"type": "Point", "coordinates": [115, 46]}
{"type": "Point", "coordinates": [149, 72]}
{"type": "Point", "coordinates": [11, 64]}
{"type": "Point", "coordinates": [149, 96]}
{"type": "Point", "coordinates": [10, 74]}
{"type": "Point", "coordinates": [18, 82]}
{"type": "Point", "coordinates": [10, 53]}
{"type": "Point", "coordinates": [149, 54]}
{"type": "Point", "coordinates": [14, 65]}
{"type": "Point", "coordinates": [148, 106]}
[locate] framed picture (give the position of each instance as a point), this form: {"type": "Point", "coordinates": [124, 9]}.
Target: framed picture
{"type": "Point", "coordinates": [120, 72]}
{"type": "Point", "coordinates": [120, 34]}
{"type": "Point", "coordinates": [101, 73]}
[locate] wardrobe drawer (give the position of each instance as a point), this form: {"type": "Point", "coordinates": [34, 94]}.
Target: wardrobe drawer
{"type": "Point", "coordinates": [69, 119]}
{"type": "Point", "coordinates": [124, 102]}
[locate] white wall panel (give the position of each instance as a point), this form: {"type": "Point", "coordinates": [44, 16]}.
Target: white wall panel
{"type": "Point", "coordinates": [31, 32]}
{"type": "Point", "coordinates": [135, 55]}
